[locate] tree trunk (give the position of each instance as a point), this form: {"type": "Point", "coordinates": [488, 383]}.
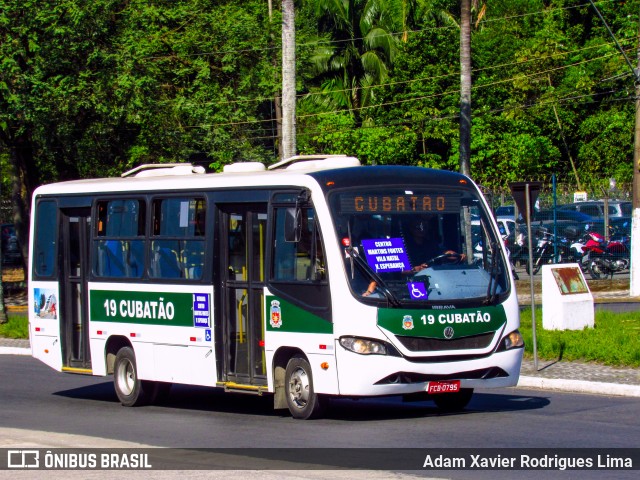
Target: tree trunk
{"type": "Point", "coordinates": [3, 315]}
{"type": "Point", "coordinates": [21, 163]}
{"type": "Point", "coordinates": [465, 87]}
{"type": "Point", "coordinates": [288, 79]}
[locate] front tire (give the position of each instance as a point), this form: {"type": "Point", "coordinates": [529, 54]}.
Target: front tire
{"type": "Point", "coordinates": [131, 391]}
{"type": "Point", "coordinates": [537, 265]}
{"type": "Point", "coordinates": [454, 402]}
{"type": "Point", "coordinates": [595, 270]}
{"type": "Point", "coordinates": [303, 402]}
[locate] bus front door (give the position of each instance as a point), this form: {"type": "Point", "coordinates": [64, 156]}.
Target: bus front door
{"type": "Point", "coordinates": [74, 269]}
{"type": "Point", "coordinates": [242, 273]}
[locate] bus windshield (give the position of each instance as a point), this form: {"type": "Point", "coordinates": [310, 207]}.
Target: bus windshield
{"type": "Point", "coordinates": [407, 246]}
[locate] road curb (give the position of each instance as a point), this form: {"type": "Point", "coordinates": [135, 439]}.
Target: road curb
{"type": "Point", "coordinates": [15, 308]}
{"type": "Point", "coordinates": [579, 386]}
{"type": "Point", "coordinates": [15, 351]}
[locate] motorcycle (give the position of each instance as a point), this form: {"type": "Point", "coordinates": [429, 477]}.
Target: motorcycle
{"type": "Point", "coordinates": [605, 258]}
{"type": "Point", "coordinates": [548, 249]}
{"type": "Point", "coordinates": [577, 251]}
{"type": "Point", "coordinates": [599, 257]}
{"type": "Point", "coordinates": [478, 254]}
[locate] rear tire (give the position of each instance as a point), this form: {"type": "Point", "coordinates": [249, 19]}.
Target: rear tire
{"type": "Point", "coordinates": [131, 391]}
{"type": "Point", "coordinates": [454, 402]}
{"type": "Point", "coordinates": [595, 270]}
{"type": "Point", "coordinates": [303, 402]}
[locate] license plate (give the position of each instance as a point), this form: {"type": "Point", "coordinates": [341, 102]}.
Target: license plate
{"type": "Point", "coordinates": [450, 386]}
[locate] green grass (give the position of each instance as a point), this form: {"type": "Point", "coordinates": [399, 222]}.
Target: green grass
{"type": "Point", "coordinates": [615, 339]}
{"type": "Point", "coordinates": [16, 327]}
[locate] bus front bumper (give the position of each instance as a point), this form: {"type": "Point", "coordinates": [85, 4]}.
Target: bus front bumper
{"type": "Point", "coordinates": [377, 375]}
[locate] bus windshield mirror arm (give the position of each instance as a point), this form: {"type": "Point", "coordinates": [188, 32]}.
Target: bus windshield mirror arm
{"type": "Point", "coordinates": [495, 269]}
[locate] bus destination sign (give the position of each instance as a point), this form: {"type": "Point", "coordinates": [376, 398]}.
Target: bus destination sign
{"type": "Point", "coordinates": [401, 203]}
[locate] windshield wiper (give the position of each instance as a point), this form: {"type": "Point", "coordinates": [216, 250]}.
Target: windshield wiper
{"type": "Point", "coordinates": [355, 256]}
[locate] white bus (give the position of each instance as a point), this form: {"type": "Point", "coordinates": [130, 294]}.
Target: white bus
{"type": "Point", "coordinates": [303, 280]}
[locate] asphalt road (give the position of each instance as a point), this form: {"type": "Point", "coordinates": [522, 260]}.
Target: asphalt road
{"type": "Point", "coordinates": [37, 399]}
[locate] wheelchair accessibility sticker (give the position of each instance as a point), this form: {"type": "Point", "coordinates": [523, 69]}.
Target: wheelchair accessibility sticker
{"type": "Point", "coordinates": [418, 290]}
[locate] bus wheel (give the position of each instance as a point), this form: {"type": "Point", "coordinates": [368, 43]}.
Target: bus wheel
{"type": "Point", "coordinates": [131, 391]}
{"type": "Point", "coordinates": [454, 402]}
{"type": "Point", "coordinates": [303, 402]}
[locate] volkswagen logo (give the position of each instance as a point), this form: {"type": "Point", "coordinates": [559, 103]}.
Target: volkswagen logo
{"type": "Point", "coordinates": [448, 333]}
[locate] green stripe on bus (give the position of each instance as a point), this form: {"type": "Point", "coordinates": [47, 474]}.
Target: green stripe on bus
{"type": "Point", "coordinates": [283, 316]}
{"type": "Point", "coordinates": [432, 323]}
{"type": "Point", "coordinates": [146, 308]}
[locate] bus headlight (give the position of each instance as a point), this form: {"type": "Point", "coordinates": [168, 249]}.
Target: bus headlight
{"type": "Point", "coordinates": [363, 346]}
{"type": "Point", "coordinates": [513, 340]}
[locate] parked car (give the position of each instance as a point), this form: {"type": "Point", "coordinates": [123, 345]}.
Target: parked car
{"type": "Point", "coordinates": [595, 208]}
{"type": "Point", "coordinates": [11, 254]}
{"type": "Point", "coordinates": [560, 214]}
{"type": "Point", "coordinates": [618, 226]}
{"type": "Point", "coordinates": [506, 225]}
{"type": "Point", "coordinates": [506, 211]}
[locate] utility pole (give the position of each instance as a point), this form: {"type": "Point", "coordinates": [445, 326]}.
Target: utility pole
{"type": "Point", "coordinates": [465, 87]}
{"type": "Point", "coordinates": [634, 283]}
{"type": "Point", "coordinates": [277, 97]}
{"type": "Point", "coordinates": [634, 287]}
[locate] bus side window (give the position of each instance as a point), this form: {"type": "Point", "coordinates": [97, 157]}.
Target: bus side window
{"type": "Point", "coordinates": [46, 235]}
{"type": "Point", "coordinates": [177, 249]}
{"type": "Point", "coordinates": [165, 262]}
{"type": "Point", "coordinates": [119, 239]}
{"type": "Point", "coordinates": [111, 259]}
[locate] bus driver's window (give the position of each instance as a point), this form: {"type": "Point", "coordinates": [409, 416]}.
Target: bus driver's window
{"type": "Point", "coordinates": [301, 260]}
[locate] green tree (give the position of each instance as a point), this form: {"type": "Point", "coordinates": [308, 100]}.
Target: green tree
{"type": "Point", "coordinates": [91, 89]}
{"type": "Point", "coordinates": [358, 56]}
{"type": "Point", "coordinates": [47, 52]}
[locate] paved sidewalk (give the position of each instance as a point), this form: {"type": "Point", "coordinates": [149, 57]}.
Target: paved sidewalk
{"type": "Point", "coordinates": [580, 377]}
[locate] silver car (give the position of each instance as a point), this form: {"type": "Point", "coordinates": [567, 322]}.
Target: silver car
{"type": "Point", "coordinates": [595, 208]}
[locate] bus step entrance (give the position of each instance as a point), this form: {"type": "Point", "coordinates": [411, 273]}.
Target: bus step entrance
{"type": "Point", "coordinates": [240, 388]}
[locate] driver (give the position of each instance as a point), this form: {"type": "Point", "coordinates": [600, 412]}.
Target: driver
{"type": "Point", "coordinates": [422, 242]}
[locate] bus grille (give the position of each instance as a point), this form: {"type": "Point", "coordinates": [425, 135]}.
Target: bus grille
{"type": "Point", "coordinates": [420, 344]}
{"type": "Point", "coordinates": [411, 377]}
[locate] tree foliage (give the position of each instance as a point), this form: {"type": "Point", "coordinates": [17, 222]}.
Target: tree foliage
{"type": "Point", "coordinates": [93, 88]}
